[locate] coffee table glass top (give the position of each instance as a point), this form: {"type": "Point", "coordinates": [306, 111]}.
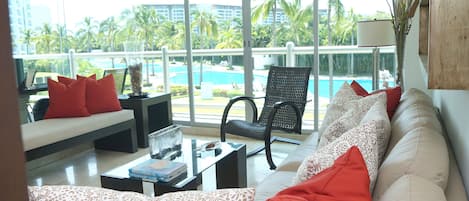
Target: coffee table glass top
{"type": "Point", "coordinates": [193, 154]}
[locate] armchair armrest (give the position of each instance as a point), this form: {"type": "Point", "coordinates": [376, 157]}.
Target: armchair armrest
{"type": "Point", "coordinates": [232, 101]}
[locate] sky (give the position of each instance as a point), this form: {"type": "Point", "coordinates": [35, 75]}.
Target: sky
{"type": "Point", "coordinates": [76, 10]}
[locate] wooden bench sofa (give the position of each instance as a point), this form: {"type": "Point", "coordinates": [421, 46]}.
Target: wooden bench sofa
{"type": "Point", "coordinates": [111, 131]}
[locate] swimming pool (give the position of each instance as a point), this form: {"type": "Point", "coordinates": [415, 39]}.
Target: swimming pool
{"type": "Point", "coordinates": [230, 78]}
{"type": "Point", "coordinates": [178, 76]}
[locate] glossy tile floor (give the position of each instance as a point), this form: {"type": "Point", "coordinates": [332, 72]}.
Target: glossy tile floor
{"type": "Point", "coordinates": [83, 168]}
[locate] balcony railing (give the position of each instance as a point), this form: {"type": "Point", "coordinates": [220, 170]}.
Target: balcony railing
{"type": "Point", "coordinates": [210, 110]}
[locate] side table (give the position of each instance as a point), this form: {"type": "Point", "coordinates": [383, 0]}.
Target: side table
{"type": "Point", "coordinates": [151, 114]}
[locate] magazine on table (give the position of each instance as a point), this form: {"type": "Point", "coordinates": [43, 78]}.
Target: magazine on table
{"type": "Point", "coordinates": [156, 169]}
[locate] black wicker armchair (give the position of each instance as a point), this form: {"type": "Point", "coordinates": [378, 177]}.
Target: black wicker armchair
{"type": "Point", "coordinates": [284, 104]}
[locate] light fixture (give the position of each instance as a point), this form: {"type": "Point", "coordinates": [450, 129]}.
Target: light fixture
{"type": "Point", "coordinates": [375, 33]}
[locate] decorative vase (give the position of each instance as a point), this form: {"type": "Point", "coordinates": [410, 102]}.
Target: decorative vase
{"type": "Point", "coordinates": [400, 47]}
{"type": "Point", "coordinates": [134, 60]}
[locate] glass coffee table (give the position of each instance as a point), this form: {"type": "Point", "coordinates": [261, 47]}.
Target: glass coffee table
{"type": "Point", "coordinates": [229, 159]}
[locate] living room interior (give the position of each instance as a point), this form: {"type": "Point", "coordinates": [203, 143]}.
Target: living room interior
{"type": "Point", "coordinates": [450, 101]}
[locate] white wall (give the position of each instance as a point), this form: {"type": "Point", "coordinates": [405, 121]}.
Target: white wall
{"type": "Point", "coordinates": [453, 104]}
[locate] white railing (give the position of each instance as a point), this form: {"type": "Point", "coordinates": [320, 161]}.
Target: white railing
{"type": "Point", "coordinates": [290, 51]}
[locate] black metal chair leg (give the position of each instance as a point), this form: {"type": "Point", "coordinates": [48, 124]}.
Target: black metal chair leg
{"type": "Point", "coordinates": [268, 155]}
{"type": "Point", "coordinates": [255, 151]}
{"type": "Point", "coordinates": [286, 140]}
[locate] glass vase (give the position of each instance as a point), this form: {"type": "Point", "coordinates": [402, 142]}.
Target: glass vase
{"type": "Point", "coordinates": [134, 60]}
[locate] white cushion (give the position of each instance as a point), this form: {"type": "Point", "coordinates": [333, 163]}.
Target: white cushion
{"type": "Point", "coordinates": [378, 113]}
{"type": "Point", "coordinates": [356, 110]}
{"type": "Point", "coordinates": [336, 107]}
{"type": "Point", "coordinates": [415, 116]}
{"type": "Point", "coordinates": [48, 131]}
{"type": "Point", "coordinates": [413, 188]}
{"type": "Point", "coordinates": [421, 152]}
{"type": "Point", "coordinates": [362, 136]}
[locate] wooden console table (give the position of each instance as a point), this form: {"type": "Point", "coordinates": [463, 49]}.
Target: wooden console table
{"type": "Point", "coordinates": [151, 114]}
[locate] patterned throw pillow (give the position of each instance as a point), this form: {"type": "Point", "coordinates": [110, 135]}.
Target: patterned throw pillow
{"type": "Point", "coordinates": [362, 136]}
{"type": "Point", "coordinates": [337, 106]}
{"type": "Point", "coordinates": [81, 193]}
{"type": "Point", "coordinates": [229, 194]}
{"type": "Point", "coordinates": [357, 109]}
{"type": "Point", "coordinates": [378, 114]}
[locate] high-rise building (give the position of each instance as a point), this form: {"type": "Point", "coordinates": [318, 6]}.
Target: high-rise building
{"type": "Point", "coordinates": [20, 21]}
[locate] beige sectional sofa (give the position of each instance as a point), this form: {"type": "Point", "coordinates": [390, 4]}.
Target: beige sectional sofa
{"type": "Point", "coordinates": [419, 162]}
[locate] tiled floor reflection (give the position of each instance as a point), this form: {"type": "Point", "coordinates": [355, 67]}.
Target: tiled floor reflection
{"type": "Point", "coordinates": [84, 168]}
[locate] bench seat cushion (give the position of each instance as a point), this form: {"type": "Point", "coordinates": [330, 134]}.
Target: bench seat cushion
{"type": "Point", "coordinates": [44, 132]}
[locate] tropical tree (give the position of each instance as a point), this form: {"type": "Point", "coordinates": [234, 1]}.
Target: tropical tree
{"type": "Point", "coordinates": [261, 35]}
{"type": "Point", "coordinates": [27, 39]}
{"type": "Point", "coordinates": [300, 20]}
{"type": "Point", "coordinates": [108, 29]}
{"type": "Point", "coordinates": [339, 11]}
{"type": "Point", "coordinates": [61, 39]}
{"type": "Point", "coordinates": [87, 33]}
{"type": "Point", "coordinates": [44, 39]}
{"type": "Point", "coordinates": [207, 27]}
{"type": "Point", "coordinates": [231, 37]}
{"type": "Point", "coordinates": [263, 10]}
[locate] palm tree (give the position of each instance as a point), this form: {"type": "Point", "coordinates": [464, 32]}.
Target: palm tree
{"type": "Point", "coordinates": [146, 21]}
{"type": "Point", "coordinates": [339, 10]}
{"type": "Point", "coordinates": [87, 33]}
{"type": "Point", "coordinates": [206, 25]}
{"type": "Point", "coordinates": [27, 39]}
{"type": "Point", "coordinates": [109, 29]}
{"type": "Point", "coordinates": [263, 11]}
{"type": "Point", "coordinates": [61, 39]}
{"type": "Point", "coordinates": [231, 37]}
{"type": "Point", "coordinates": [299, 19]}
{"type": "Point", "coordinates": [44, 40]}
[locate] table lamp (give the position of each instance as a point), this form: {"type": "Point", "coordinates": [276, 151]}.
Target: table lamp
{"type": "Point", "coordinates": [375, 33]}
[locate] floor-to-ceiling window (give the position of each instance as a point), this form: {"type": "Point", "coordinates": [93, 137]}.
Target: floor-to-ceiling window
{"type": "Point", "coordinates": [202, 61]}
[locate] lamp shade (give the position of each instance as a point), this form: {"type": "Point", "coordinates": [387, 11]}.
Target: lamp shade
{"type": "Point", "coordinates": [375, 33]}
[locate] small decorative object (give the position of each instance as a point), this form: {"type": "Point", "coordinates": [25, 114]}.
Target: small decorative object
{"type": "Point", "coordinates": [136, 79]}
{"type": "Point", "coordinates": [134, 60]}
{"type": "Point", "coordinates": [402, 12]}
{"type": "Point", "coordinates": [166, 143]}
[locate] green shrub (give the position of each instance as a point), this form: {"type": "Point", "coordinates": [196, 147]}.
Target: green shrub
{"type": "Point", "coordinates": [179, 90]}
{"type": "Point", "coordinates": [233, 93]}
{"type": "Point", "coordinates": [220, 93]}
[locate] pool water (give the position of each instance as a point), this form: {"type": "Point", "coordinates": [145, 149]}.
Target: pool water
{"type": "Point", "coordinates": [231, 78]}
{"type": "Point", "coordinates": [178, 76]}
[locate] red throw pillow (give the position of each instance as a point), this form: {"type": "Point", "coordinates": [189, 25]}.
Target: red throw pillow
{"type": "Point", "coordinates": [359, 90]}
{"type": "Point", "coordinates": [393, 96]}
{"type": "Point", "coordinates": [101, 95]}
{"type": "Point", "coordinates": [67, 80]}
{"type": "Point", "coordinates": [66, 100]}
{"type": "Point", "coordinates": [347, 179]}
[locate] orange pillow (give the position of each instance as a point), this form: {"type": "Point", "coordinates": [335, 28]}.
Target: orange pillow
{"type": "Point", "coordinates": [101, 95]}
{"type": "Point", "coordinates": [66, 100]}
{"type": "Point", "coordinates": [67, 80]}
{"type": "Point", "coordinates": [347, 179]}
{"type": "Point", "coordinates": [393, 96]}
{"type": "Point", "coordinates": [98, 96]}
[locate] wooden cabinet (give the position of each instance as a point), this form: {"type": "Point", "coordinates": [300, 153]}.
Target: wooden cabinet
{"type": "Point", "coordinates": [448, 43]}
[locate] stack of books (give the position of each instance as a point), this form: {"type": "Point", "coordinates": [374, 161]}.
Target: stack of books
{"type": "Point", "coordinates": [158, 170]}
